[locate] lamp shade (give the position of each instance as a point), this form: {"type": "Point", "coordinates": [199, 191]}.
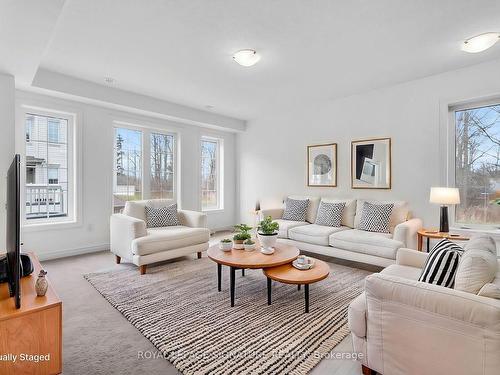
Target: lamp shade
{"type": "Point", "coordinates": [444, 195]}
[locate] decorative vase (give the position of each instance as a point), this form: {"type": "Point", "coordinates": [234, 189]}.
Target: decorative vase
{"type": "Point", "coordinates": [238, 244]}
{"type": "Point", "coordinates": [268, 241]}
{"type": "Point", "coordinates": [41, 284]}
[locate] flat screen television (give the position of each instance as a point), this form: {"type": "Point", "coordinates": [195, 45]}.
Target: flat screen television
{"type": "Point", "coordinates": [13, 229]}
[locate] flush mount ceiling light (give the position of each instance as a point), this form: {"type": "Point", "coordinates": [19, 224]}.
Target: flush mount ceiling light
{"type": "Point", "coordinates": [109, 80]}
{"type": "Point", "coordinates": [480, 43]}
{"type": "Point", "coordinates": [246, 57]}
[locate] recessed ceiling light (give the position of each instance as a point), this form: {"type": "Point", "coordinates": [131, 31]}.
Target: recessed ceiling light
{"type": "Point", "coordinates": [246, 57]}
{"type": "Point", "coordinates": [109, 80]}
{"type": "Point", "coordinates": [480, 43]}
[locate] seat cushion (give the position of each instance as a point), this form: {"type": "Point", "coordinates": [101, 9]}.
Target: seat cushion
{"type": "Point", "coordinates": [406, 272]}
{"type": "Point", "coordinates": [360, 241]}
{"type": "Point", "coordinates": [169, 238]}
{"type": "Point", "coordinates": [286, 225]}
{"type": "Point", "coordinates": [314, 233]}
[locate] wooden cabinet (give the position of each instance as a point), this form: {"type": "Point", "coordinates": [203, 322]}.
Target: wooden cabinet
{"type": "Point", "coordinates": [30, 337]}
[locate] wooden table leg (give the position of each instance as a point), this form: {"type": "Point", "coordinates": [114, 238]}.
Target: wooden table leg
{"type": "Point", "coordinates": [306, 293]}
{"type": "Point", "coordinates": [419, 241]}
{"type": "Point", "coordinates": [232, 281]}
{"type": "Point", "coordinates": [219, 277]}
{"type": "Point", "coordinates": [269, 287]}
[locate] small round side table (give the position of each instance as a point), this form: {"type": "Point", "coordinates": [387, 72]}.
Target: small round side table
{"type": "Point", "coordinates": [429, 233]}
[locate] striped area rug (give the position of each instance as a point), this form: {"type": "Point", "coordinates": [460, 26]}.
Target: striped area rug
{"type": "Point", "coordinates": [177, 307]}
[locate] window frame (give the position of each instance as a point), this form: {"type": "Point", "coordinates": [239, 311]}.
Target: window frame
{"type": "Point", "coordinates": [220, 174]}
{"type": "Point", "coordinates": [147, 130]}
{"type": "Point", "coordinates": [450, 175]}
{"type": "Point", "coordinates": [25, 105]}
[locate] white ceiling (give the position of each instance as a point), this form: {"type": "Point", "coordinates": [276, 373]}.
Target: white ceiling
{"type": "Point", "coordinates": [312, 50]}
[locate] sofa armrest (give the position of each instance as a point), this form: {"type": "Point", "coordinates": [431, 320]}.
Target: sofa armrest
{"type": "Point", "coordinates": [434, 300]}
{"type": "Point", "coordinates": [123, 230]}
{"type": "Point", "coordinates": [193, 219]}
{"type": "Point", "coordinates": [275, 213]}
{"type": "Point", "coordinates": [406, 232]}
{"type": "Point", "coordinates": [410, 257]}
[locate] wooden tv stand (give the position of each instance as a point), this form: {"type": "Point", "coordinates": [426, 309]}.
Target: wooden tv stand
{"type": "Point", "coordinates": [32, 333]}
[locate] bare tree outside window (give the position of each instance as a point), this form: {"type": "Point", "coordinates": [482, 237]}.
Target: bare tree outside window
{"type": "Point", "coordinates": [162, 166]}
{"type": "Point", "coordinates": [477, 172]}
{"type": "Point", "coordinates": [209, 174]}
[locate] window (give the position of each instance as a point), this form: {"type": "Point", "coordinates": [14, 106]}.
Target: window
{"type": "Point", "coordinates": [477, 165]}
{"type": "Point", "coordinates": [211, 174]}
{"type": "Point", "coordinates": [162, 166]}
{"type": "Point", "coordinates": [127, 184]}
{"type": "Point", "coordinates": [49, 186]}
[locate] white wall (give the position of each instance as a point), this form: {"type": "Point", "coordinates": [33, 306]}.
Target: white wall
{"type": "Point", "coordinates": [272, 156]}
{"type": "Point", "coordinates": [96, 175]}
{"type": "Point", "coordinates": [7, 114]}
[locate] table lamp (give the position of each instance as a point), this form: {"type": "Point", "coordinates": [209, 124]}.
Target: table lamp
{"type": "Point", "coordinates": [444, 196]}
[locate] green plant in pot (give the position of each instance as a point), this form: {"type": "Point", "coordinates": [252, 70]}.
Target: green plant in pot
{"type": "Point", "coordinates": [242, 234]}
{"type": "Point", "coordinates": [249, 244]}
{"type": "Point", "coordinates": [268, 234]}
{"type": "Point", "coordinates": [226, 244]}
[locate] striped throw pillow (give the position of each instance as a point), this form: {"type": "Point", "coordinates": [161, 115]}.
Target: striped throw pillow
{"type": "Point", "coordinates": [442, 263]}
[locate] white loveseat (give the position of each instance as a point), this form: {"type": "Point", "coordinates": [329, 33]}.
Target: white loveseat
{"type": "Point", "coordinates": [404, 326]}
{"type": "Point", "coordinates": [348, 242]}
{"type": "Point", "coordinates": [133, 241]}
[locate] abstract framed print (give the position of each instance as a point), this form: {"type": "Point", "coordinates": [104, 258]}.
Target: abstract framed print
{"type": "Point", "coordinates": [371, 163]}
{"type": "Point", "coordinates": [322, 165]}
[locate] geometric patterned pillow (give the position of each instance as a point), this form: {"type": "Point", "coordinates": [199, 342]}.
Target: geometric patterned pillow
{"type": "Point", "coordinates": [376, 217]}
{"type": "Point", "coordinates": [330, 214]}
{"type": "Point", "coordinates": [441, 265]}
{"type": "Point", "coordinates": [295, 209]}
{"type": "Point", "coordinates": [162, 216]}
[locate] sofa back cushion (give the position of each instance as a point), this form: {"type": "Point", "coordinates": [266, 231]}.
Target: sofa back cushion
{"type": "Point", "coordinates": [441, 265]}
{"type": "Point", "coordinates": [375, 217]}
{"type": "Point", "coordinates": [330, 214]}
{"type": "Point", "coordinates": [478, 265]}
{"type": "Point", "coordinates": [399, 213]}
{"type": "Point", "coordinates": [349, 210]}
{"type": "Point", "coordinates": [137, 209]}
{"type": "Point", "coordinates": [312, 208]}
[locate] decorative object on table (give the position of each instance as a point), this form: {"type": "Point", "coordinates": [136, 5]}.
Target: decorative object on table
{"type": "Point", "coordinates": [41, 284]}
{"type": "Point", "coordinates": [242, 234]}
{"type": "Point", "coordinates": [444, 196]}
{"type": "Point", "coordinates": [268, 234]}
{"type": "Point", "coordinates": [435, 234]}
{"type": "Point", "coordinates": [371, 164]}
{"type": "Point", "coordinates": [303, 263]}
{"type": "Point", "coordinates": [322, 165]}
{"type": "Point", "coordinates": [226, 244]}
{"type": "Point", "coordinates": [249, 245]}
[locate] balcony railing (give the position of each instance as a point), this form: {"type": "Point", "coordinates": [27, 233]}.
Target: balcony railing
{"type": "Point", "coordinates": [44, 201]}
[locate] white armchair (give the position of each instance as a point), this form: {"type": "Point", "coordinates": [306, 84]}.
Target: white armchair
{"type": "Point", "coordinates": [403, 326]}
{"type": "Point", "coordinates": [133, 241]}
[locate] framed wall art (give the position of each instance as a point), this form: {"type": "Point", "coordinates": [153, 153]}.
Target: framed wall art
{"type": "Point", "coordinates": [322, 165]}
{"type": "Point", "coordinates": [371, 164]}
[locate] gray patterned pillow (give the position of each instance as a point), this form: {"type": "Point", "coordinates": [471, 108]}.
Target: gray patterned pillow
{"type": "Point", "coordinates": [162, 216]}
{"type": "Point", "coordinates": [376, 217]}
{"type": "Point", "coordinates": [295, 209]}
{"type": "Point", "coordinates": [330, 214]}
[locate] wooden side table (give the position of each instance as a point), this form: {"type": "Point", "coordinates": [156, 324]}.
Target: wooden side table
{"type": "Point", "coordinates": [435, 234]}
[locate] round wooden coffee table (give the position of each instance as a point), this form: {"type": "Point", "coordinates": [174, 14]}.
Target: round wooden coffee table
{"type": "Point", "coordinates": [288, 274]}
{"type": "Point", "coordinates": [241, 259]}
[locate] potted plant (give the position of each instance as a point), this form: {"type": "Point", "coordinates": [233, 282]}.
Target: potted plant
{"type": "Point", "coordinates": [226, 244]}
{"type": "Point", "coordinates": [242, 234]}
{"type": "Point", "coordinates": [249, 245]}
{"type": "Point", "coordinates": [268, 233]}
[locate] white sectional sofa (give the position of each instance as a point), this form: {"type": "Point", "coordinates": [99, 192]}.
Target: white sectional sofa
{"type": "Point", "coordinates": [348, 242]}
{"type": "Point", "coordinates": [132, 241]}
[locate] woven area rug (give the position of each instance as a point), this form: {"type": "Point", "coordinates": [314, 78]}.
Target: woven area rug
{"type": "Point", "coordinates": [177, 307]}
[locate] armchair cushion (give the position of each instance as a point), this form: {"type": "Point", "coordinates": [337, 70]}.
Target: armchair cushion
{"type": "Point", "coordinates": [476, 268]}
{"type": "Point", "coordinates": [169, 238]}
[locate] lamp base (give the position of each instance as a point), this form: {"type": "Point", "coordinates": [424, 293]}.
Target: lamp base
{"type": "Point", "coordinates": [443, 220]}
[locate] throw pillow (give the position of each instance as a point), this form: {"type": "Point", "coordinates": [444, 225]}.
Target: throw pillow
{"type": "Point", "coordinates": [330, 214]}
{"type": "Point", "coordinates": [162, 216]}
{"type": "Point", "coordinates": [295, 210]}
{"type": "Point", "coordinates": [490, 290]}
{"type": "Point", "coordinates": [376, 217]}
{"type": "Point", "coordinates": [476, 268]}
{"type": "Point", "coordinates": [441, 265]}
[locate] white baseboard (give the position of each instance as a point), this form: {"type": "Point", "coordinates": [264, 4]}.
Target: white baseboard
{"type": "Point", "coordinates": [71, 252]}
